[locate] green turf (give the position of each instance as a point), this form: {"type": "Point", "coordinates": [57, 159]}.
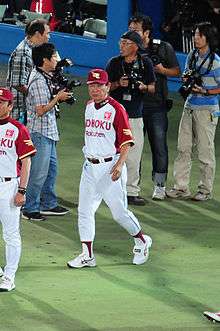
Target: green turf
{"type": "Point", "coordinates": [170, 292]}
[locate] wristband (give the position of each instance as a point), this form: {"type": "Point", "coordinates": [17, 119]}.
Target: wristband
{"type": "Point", "coordinates": [22, 190]}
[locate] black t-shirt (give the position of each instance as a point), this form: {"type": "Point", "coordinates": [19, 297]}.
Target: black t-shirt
{"type": "Point", "coordinates": [157, 101]}
{"type": "Point", "coordinates": [130, 98]}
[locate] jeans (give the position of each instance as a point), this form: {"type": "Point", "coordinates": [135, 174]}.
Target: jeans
{"type": "Point", "coordinates": [156, 126]}
{"type": "Point", "coordinates": [41, 186]}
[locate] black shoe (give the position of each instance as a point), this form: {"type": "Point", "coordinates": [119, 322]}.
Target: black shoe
{"type": "Point", "coordinates": [33, 216]}
{"type": "Point", "coordinates": [56, 211]}
{"type": "Point", "coordinates": [137, 201]}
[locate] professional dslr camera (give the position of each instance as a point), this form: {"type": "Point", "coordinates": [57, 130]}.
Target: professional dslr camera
{"type": "Point", "coordinates": [135, 77]}
{"type": "Point", "coordinates": [154, 51]}
{"type": "Point", "coordinates": [61, 82]}
{"type": "Point", "coordinates": [191, 78]}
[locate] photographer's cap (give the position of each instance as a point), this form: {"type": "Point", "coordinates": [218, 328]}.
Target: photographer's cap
{"type": "Point", "coordinates": [6, 95]}
{"type": "Point", "coordinates": [99, 76]}
{"type": "Point", "coordinates": [133, 36]}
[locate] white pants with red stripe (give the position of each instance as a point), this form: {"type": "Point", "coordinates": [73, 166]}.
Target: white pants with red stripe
{"type": "Point", "coordinates": [10, 220]}
{"type": "Point", "coordinates": [96, 184]}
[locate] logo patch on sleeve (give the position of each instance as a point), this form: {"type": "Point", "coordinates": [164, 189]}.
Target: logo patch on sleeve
{"type": "Point", "coordinates": [9, 133]}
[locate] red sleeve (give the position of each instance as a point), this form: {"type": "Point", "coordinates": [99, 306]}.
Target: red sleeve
{"type": "Point", "coordinates": [24, 145]}
{"type": "Point", "coordinates": [121, 125]}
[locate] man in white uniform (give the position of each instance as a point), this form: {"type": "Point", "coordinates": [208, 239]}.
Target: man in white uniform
{"type": "Point", "coordinates": [107, 142]}
{"type": "Point", "coordinates": [15, 150]}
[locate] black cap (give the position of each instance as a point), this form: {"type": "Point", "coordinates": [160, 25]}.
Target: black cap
{"type": "Point", "coordinates": [133, 36]}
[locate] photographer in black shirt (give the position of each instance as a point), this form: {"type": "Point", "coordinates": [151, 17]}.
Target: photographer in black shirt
{"type": "Point", "coordinates": [157, 105]}
{"type": "Point", "coordinates": [131, 76]}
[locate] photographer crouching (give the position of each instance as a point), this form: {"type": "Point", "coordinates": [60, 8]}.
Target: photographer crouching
{"type": "Point", "coordinates": [41, 105]}
{"type": "Point", "coordinates": [201, 86]}
{"type": "Point", "coordinates": [131, 76]}
{"type": "Point", "coordinates": [157, 105]}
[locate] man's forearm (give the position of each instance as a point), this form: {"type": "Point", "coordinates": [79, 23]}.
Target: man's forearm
{"type": "Point", "coordinates": [25, 171]}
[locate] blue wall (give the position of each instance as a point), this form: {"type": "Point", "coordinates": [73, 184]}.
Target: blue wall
{"type": "Point", "coordinates": [86, 53]}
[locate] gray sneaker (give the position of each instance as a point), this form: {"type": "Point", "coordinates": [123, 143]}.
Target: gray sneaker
{"type": "Point", "coordinates": [178, 194]}
{"type": "Point", "coordinates": [200, 196]}
{"type": "Point", "coordinates": [1, 272]}
{"type": "Point", "coordinates": [159, 193]}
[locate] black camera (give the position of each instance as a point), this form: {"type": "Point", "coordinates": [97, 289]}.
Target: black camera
{"type": "Point", "coordinates": [192, 78]}
{"type": "Point", "coordinates": [154, 51]}
{"type": "Point", "coordinates": [61, 82]}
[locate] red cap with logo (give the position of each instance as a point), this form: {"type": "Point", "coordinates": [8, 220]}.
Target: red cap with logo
{"type": "Point", "coordinates": [6, 95]}
{"type": "Point", "coordinates": [99, 76]}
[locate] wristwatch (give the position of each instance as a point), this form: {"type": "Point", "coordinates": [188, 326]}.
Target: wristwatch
{"type": "Point", "coordinates": [206, 93]}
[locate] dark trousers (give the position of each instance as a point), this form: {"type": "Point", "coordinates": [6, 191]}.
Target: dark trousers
{"type": "Point", "coordinates": [156, 126]}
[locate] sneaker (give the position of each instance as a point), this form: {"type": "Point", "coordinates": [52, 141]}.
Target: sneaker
{"type": "Point", "coordinates": [56, 211]}
{"type": "Point", "coordinates": [175, 194]}
{"type": "Point", "coordinates": [200, 196]}
{"type": "Point", "coordinates": [214, 317]}
{"type": "Point", "coordinates": [82, 261]}
{"type": "Point", "coordinates": [6, 285]}
{"type": "Point", "coordinates": [1, 272]}
{"type": "Point", "coordinates": [141, 252]}
{"type": "Point", "coordinates": [159, 193]}
{"type": "Point", "coordinates": [136, 201]}
{"type": "Point", "coordinates": [36, 216]}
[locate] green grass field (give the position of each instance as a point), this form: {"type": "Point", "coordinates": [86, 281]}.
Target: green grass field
{"type": "Point", "coordinates": [170, 292]}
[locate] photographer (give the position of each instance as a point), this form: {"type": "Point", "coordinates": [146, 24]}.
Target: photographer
{"type": "Point", "coordinates": [20, 65]}
{"type": "Point", "coordinates": [198, 122]}
{"type": "Point", "coordinates": [41, 105]}
{"type": "Point", "coordinates": [157, 105]}
{"type": "Point", "coordinates": [131, 76]}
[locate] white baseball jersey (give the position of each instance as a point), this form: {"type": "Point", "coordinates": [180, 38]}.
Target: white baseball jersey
{"type": "Point", "coordinates": [15, 144]}
{"type": "Point", "coordinates": [106, 128]}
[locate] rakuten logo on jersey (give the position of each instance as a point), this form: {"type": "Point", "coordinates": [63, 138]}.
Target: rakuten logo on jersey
{"type": "Point", "coordinates": [98, 124]}
{"type": "Point", "coordinates": [5, 142]}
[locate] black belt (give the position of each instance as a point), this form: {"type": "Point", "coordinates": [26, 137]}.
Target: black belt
{"type": "Point", "coordinates": [97, 161]}
{"type": "Point", "coordinates": [5, 179]}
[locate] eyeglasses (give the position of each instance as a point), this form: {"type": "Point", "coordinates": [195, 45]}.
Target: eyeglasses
{"type": "Point", "coordinates": [126, 43]}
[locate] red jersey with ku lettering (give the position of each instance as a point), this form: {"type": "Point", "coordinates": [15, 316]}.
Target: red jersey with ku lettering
{"type": "Point", "coordinates": [15, 145]}
{"type": "Point", "coordinates": [106, 128]}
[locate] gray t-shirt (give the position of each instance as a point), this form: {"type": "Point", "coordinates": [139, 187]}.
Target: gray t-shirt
{"type": "Point", "coordinates": [167, 56]}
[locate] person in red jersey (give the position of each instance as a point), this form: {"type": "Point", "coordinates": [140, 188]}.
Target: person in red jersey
{"type": "Point", "coordinates": [108, 139]}
{"type": "Point", "coordinates": [16, 149]}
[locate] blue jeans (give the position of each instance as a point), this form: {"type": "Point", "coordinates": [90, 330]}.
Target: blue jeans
{"type": "Point", "coordinates": [41, 186]}
{"type": "Point", "coordinates": [156, 126]}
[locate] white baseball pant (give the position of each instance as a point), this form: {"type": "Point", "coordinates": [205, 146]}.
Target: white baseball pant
{"type": "Point", "coordinates": [96, 184]}
{"type": "Point", "coordinates": [10, 220]}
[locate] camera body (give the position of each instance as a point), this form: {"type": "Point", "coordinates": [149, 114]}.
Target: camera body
{"type": "Point", "coordinates": [154, 51]}
{"type": "Point", "coordinates": [191, 78]}
{"type": "Point", "coordinates": [61, 82]}
{"type": "Point", "coordinates": [135, 76]}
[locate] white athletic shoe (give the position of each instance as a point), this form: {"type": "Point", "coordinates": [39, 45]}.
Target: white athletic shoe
{"type": "Point", "coordinates": [214, 317]}
{"type": "Point", "coordinates": [6, 284]}
{"type": "Point", "coordinates": [141, 251]}
{"type": "Point", "coordinates": [159, 193]}
{"type": "Point", "coordinates": [1, 272]}
{"type": "Point", "coordinates": [82, 261]}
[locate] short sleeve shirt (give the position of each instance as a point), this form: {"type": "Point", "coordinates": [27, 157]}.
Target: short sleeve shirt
{"type": "Point", "coordinates": [106, 128]}
{"type": "Point", "coordinates": [40, 93]}
{"type": "Point", "coordinates": [19, 68]}
{"type": "Point", "coordinates": [15, 145]}
{"type": "Point", "coordinates": [116, 68]}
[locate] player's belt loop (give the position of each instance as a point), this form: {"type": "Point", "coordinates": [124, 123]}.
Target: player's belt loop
{"type": "Point", "coordinates": [5, 179]}
{"type": "Point", "coordinates": [97, 161]}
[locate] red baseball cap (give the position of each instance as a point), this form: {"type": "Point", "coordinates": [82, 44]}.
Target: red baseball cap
{"type": "Point", "coordinates": [99, 76]}
{"type": "Point", "coordinates": [6, 95]}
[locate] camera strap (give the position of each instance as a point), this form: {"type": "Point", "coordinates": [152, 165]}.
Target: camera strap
{"type": "Point", "coordinates": [194, 59]}
{"type": "Point", "coordinates": [47, 78]}
{"type": "Point", "coordinates": [138, 61]}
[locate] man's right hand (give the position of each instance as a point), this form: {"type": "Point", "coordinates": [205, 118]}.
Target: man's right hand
{"type": "Point", "coordinates": [63, 95]}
